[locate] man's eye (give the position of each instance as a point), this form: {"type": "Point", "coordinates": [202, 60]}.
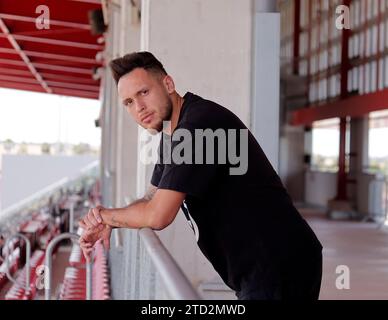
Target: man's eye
{"type": "Point", "coordinates": [127, 103]}
{"type": "Point", "coordinates": [144, 92]}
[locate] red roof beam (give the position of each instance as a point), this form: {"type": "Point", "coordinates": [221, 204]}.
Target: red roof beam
{"type": "Point", "coordinates": [355, 106]}
{"type": "Point", "coordinates": [78, 93]}
{"type": "Point", "coordinates": [9, 71]}
{"type": "Point", "coordinates": [88, 1]}
{"type": "Point", "coordinates": [68, 24]}
{"type": "Point", "coordinates": [52, 56]}
{"type": "Point", "coordinates": [51, 32]}
{"type": "Point", "coordinates": [21, 86]}
{"type": "Point", "coordinates": [62, 77]}
{"type": "Point", "coordinates": [18, 79]}
{"type": "Point", "coordinates": [27, 61]}
{"type": "Point", "coordinates": [73, 86]}
{"type": "Point", "coordinates": [51, 83]}
{"type": "Point", "coordinates": [63, 68]}
{"type": "Point", "coordinates": [49, 76]}
{"type": "Point", "coordinates": [38, 88]}
{"type": "Point", "coordinates": [48, 66]}
{"type": "Point", "coordinates": [57, 42]}
{"type": "Point", "coordinates": [12, 62]}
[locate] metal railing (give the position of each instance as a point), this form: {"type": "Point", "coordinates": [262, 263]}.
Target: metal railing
{"type": "Point", "coordinates": [48, 266]}
{"type": "Point", "coordinates": [175, 281]}
{"type": "Point", "coordinates": [142, 267]}
{"type": "Point", "coordinates": [27, 265]}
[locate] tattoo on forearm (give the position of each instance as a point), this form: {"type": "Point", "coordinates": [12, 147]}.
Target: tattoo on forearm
{"type": "Point", "coordinates": [147, 197]}
{"type": "Point", "coordinates": [117, 223]}
{"type": "Point", "coordinates": [114, 222]}
{"type": "Point", "coordinates": [150, 194]}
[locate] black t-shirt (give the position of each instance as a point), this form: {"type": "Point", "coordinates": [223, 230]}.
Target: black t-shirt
{"type": "Point", "coordinates": [243, 223]}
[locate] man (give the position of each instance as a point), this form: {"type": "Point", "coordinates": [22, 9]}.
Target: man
{"type": "Point", "coordinates": [245, 222]}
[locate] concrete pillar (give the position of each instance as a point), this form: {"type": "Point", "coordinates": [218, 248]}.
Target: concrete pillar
{"type": "Point", "coordinates": [119, 140]}
{"type": "Point", "coordinates": [359, 136]}
{"type": "Point", "coordinates": [127, 129]}
{"type": "Point", "coordinates": [266, 78]}
{"type": "Point", "coordinates": [206, 47]}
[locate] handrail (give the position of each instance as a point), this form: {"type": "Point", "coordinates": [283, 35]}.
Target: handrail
{"type": "Point", "coordinates": [48, 266]}
{"type": "Point", "coordinates": [177, 284]}
{"type": "Point", "coordinates": [27, 265]}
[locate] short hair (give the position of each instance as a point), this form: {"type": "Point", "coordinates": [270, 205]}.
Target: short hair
{"type": "Point", "coordinates": [144, 59]}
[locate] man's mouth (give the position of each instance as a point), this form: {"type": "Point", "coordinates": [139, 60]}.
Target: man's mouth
{"type": "Point", "coordinates": [147, 118]}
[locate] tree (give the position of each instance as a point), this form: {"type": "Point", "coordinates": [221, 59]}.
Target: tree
{"type": "Point", "coordinates": [45, 148]}
{"type": "Point", "coordinates": [82, 148]}
{"type": "Point", "coordinates": [23, 149]}
{"type": "Point", "coordinates": [8, 145]}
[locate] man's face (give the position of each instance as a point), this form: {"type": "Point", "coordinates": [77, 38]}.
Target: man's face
{"type": "Point", "coordinates": [145, 96]}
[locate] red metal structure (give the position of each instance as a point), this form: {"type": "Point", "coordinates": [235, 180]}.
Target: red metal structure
{"type": "Point", "coordinates": [346, 69]}
{"type": "Point", "coordinates": [59, 60]}
{"type": "Point", "coordinates": [352, 63]}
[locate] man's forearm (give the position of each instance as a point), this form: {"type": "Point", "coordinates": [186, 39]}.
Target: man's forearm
{"type": "Point", "coordinates": [117, 217]}
{"type": "Point", "coordinates": [156, 213]}
{"type": "Point", "coordinates": [134, 216]}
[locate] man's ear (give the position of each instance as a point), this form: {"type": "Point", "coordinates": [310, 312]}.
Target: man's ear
{"type": "Point", "coordinates": [169, 84]}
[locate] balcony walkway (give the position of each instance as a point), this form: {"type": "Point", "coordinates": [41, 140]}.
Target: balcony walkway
{"type": "Point", "coordinates": [361, 246]}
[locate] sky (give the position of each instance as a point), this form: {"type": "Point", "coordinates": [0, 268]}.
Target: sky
{"type": "Point", "coordinates": [378, 146]}
{"type": "Point", "coordinates": [326, 142]}
{"type": "Point", "coordinates": [39, 117]}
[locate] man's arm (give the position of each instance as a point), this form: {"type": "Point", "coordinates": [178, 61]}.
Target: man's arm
{"type": "Point", "coordinates": [148, 196]}
{"type": "Point", "coordinates": [156, 210]}
{"type": "Point", "coordinates": [96, 211]}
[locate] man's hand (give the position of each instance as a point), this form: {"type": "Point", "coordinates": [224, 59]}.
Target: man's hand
{"type": "Point", "coordinates": [93, 218]}
{"type": "Point", "coordinates": [94, 230]}
{"type": "Point", "coordinates": [90, 236]}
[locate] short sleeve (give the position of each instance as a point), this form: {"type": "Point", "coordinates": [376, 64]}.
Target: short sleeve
{"type": "Point", "coordinates": [189, 177]}
{"type": "Point", "coordinates": [159, 167]}
{"type": "Point", "coordinates": [157, 174]}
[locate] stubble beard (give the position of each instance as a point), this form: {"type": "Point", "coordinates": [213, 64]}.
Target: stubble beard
{"type": "Point", "coordinates": [165, 116]}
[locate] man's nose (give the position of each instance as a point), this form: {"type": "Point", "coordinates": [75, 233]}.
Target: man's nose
{"type": "Point", "coordinates": [140, 107]}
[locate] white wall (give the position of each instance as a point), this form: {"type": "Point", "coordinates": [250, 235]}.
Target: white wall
{"type": "Point", "coordinates": [206, 47]}
{"type": "Point", "coordinates": [364, 193]}
{"type": "Point", "coordinates": [266, 82]}
{"type": "Point", "coordinates": [23, 175]}
{"type": "Point", "coordinates": [291, 161]}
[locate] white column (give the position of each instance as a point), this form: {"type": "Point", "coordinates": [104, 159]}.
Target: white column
{"type": "Point", "coordinates": [127, 132]}
{"type": "Point", "coordinates": [205, 45]}
{"type": "Point", "coordinates": [266, 78]}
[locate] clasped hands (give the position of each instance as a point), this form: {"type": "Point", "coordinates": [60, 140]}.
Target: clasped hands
{"type": "Point", "coordinates": [94, 230]}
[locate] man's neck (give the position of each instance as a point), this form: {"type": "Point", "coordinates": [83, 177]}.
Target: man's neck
{"type": "Point", "coordinates": [177, 102]}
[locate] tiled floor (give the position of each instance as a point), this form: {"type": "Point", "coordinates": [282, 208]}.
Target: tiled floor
{"type": "Point", "coordinates": [362, 247]}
